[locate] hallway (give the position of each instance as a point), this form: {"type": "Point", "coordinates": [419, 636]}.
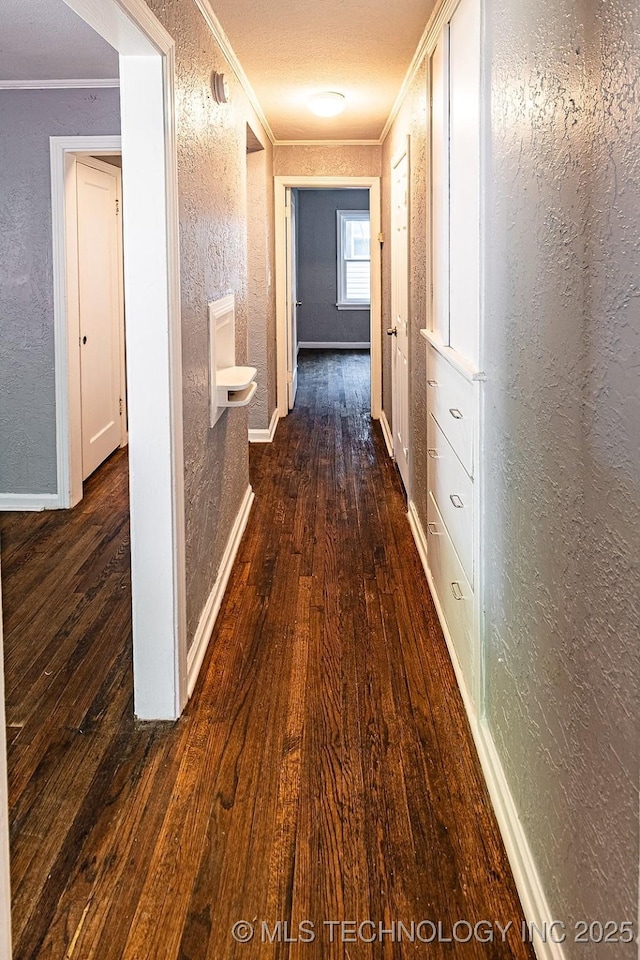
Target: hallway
{"type": "Point", "coordinates": [323, 770]}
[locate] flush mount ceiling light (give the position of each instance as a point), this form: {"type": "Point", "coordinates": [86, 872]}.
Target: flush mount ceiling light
{"type": "Point", "coordinates": [328, 104]}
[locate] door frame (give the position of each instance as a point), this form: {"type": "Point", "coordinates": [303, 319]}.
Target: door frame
{"type": "Point", "coordinates": [153, 343]}
{"type": "Point", "coordinates": [291, 305]}
{"type": "Point", "coordinates": [281, 184]}
{"type": "Point", "coordinates": [65, 154]}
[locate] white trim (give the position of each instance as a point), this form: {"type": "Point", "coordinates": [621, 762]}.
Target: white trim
{"type": "Point", "coordinates": [87, 84]}
{"type": "Point", "coordinates": [535, 906]}
{"type": "Point", "coordinates": [334, 344]}
{"type": "Point", "coordinates": [205, 626]}
{"type": "Point", "coordinates": [64, 151]}
{"type": "Point", "coordinates": [281, 184]}
{"type": "Point", "coordinates": [525, 873]}
{"type": "Point", "coordinates": [224, 43]}
{"type": "Point", "coordinates": [441, 15]}
{"type": "Point", "coordinates": [342, 218]}
{"type": "Point", "coordinates": [29, 501]}
{"type": "Point", "coordinates": [387, 433]}
{"type": "Point", "coordinates": [327, 143]}
{"type": "Point", "coordinates": [257, 435]}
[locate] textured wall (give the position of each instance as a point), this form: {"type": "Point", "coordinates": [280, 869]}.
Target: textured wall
{"type": "Point", "coordinates": [318, 316]}
{"type": "Point", "coordinates": [27, 399]}
{"type": "Point", "coordinates": [213, 252]}
{"type": "Point", "coordinates": [327, 161]}
{"type": "Point", "coordinates": [562, 451]}
{"type": "Point", "coordinates": [412, 122]}
{"type": "Point", "coordinates": [261, 352]}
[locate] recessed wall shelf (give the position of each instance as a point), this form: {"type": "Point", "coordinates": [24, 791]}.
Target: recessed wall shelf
{"type": "Point", "coordinates": [229, 385]}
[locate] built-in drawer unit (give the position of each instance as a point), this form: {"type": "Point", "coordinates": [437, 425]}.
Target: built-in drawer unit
{"type": "Point", "coordinates": [453, 589]}
{"type": "Point", "coordinates": [452, 489]}
{"type": "Point", "coordinates": [450, 398]}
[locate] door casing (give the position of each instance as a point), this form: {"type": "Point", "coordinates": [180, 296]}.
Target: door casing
{"type": "Point", "coordinates": [72, 431]}
{"type": "Point", "coordinates": [281, 184]}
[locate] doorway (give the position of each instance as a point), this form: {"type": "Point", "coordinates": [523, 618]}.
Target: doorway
{"type": "Point", "coordinates": [95, 309]}
{"type": "Point", "coordinates": [287, 294]}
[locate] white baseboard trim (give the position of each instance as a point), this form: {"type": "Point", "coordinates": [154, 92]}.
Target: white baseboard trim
{"type": "Point", "coordinates": [334, 345]}
{"type": "Point", "coordinates": [29, 501]}
{"type": "Point", "coordinates": [386, 433]}
{"type": "Point", "coordinates": [532, 897]}
{"type": "Point", "coordinates": [265, 436]}
{"type": "Point", "coordinates": [204, 630]}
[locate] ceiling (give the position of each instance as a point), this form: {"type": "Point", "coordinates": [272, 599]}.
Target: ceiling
{"type": "Point", "coordinates": [45, 40]}
{"type": "Point", "coordinates": [290, 50]}
{"type": "Point", "coordinates": [287, 49]}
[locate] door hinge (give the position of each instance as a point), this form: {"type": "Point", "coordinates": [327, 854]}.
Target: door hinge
{"type": "Point", "coordinates": [117, 207]}
{"type": "Point", "coordinates": [120, 406]}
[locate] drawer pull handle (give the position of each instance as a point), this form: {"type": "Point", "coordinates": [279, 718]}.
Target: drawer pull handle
{"type": "Point", "coordinates": [456, 590]}
{"type": "Point", "coordinates": [433, 529]}
{"type": "Point", "coordinates": [455, 413]}
{"type": "Point", "coordinates": [456, 500]}
{"type": "Point", "coordinates": [433, 453]}
{"type": "Point", "coordinates": [432, 383]}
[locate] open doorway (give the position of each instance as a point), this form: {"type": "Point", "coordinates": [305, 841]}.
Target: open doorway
{"type": "Point", "coordinates": [297, 322]}
{"type": "Point", "coordinates": [86, 184]}
{"type": "Point", "coordinates": [333, 261]}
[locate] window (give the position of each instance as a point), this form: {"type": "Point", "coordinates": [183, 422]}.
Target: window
{"type": "Point", "coordinates": [354, 263]}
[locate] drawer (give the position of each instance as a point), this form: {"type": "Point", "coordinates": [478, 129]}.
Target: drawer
{"type": "Point", "coordinates": [453, 590]}
{"type": "Point", "coordinates": [452, 490]}
{"type": "Point", "coordinates": [451, 400]}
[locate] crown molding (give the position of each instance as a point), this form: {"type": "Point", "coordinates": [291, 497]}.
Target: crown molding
{"type": "Point", "coordinates": [86, 84]}
{"type": "Point", "coordinates": [327, 143]}
{"type": "Point", "coordinates": [222, 39]}
{"type": "Point", "coordinates": [441, 15]}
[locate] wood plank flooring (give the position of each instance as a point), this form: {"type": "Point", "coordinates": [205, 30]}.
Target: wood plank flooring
{"type": "Point", "coordinates": [323, 771]}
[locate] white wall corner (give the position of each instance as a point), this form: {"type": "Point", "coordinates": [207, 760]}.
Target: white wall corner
{"type": "Point", "coordinates": [211, 609]}
{"type": "Point", "coordinates": [266, 435]}
{"type": "Point", "coordinates": [525, 873]}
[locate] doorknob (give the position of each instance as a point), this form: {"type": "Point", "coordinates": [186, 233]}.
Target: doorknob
{"type": "Point", "coordinates": [392, 332]}
{"type": "Point", "coordinates": [298, 303]}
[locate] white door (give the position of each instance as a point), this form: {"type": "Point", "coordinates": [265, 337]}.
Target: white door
{"type": "Point", "coordinates": [292, 301]}
{"type": "Point", "coordinates": [100, 312]}
{"type": "Point", "coordinates": [400, 313]}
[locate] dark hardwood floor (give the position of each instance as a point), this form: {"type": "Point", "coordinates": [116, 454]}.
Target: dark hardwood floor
{"type": "Point", "coordinates": [323, 771]}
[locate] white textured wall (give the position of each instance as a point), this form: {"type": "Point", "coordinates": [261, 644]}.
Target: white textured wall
{"type": "Point", "coordinates": [327, 161]}
{"type": "Point", "coordinates": [212, 173]}
{"type": "Point", "coordinates": [562, 452]}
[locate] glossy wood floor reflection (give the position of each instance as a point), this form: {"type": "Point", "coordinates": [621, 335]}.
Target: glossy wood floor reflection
{"type": "Point", "coordinates": [324, 770]}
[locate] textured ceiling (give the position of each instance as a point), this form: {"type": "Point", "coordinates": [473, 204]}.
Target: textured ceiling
{"type": "Point", "coordinates": [289, 50]}
{"type": "Point", "coordinates": [45, 40]}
